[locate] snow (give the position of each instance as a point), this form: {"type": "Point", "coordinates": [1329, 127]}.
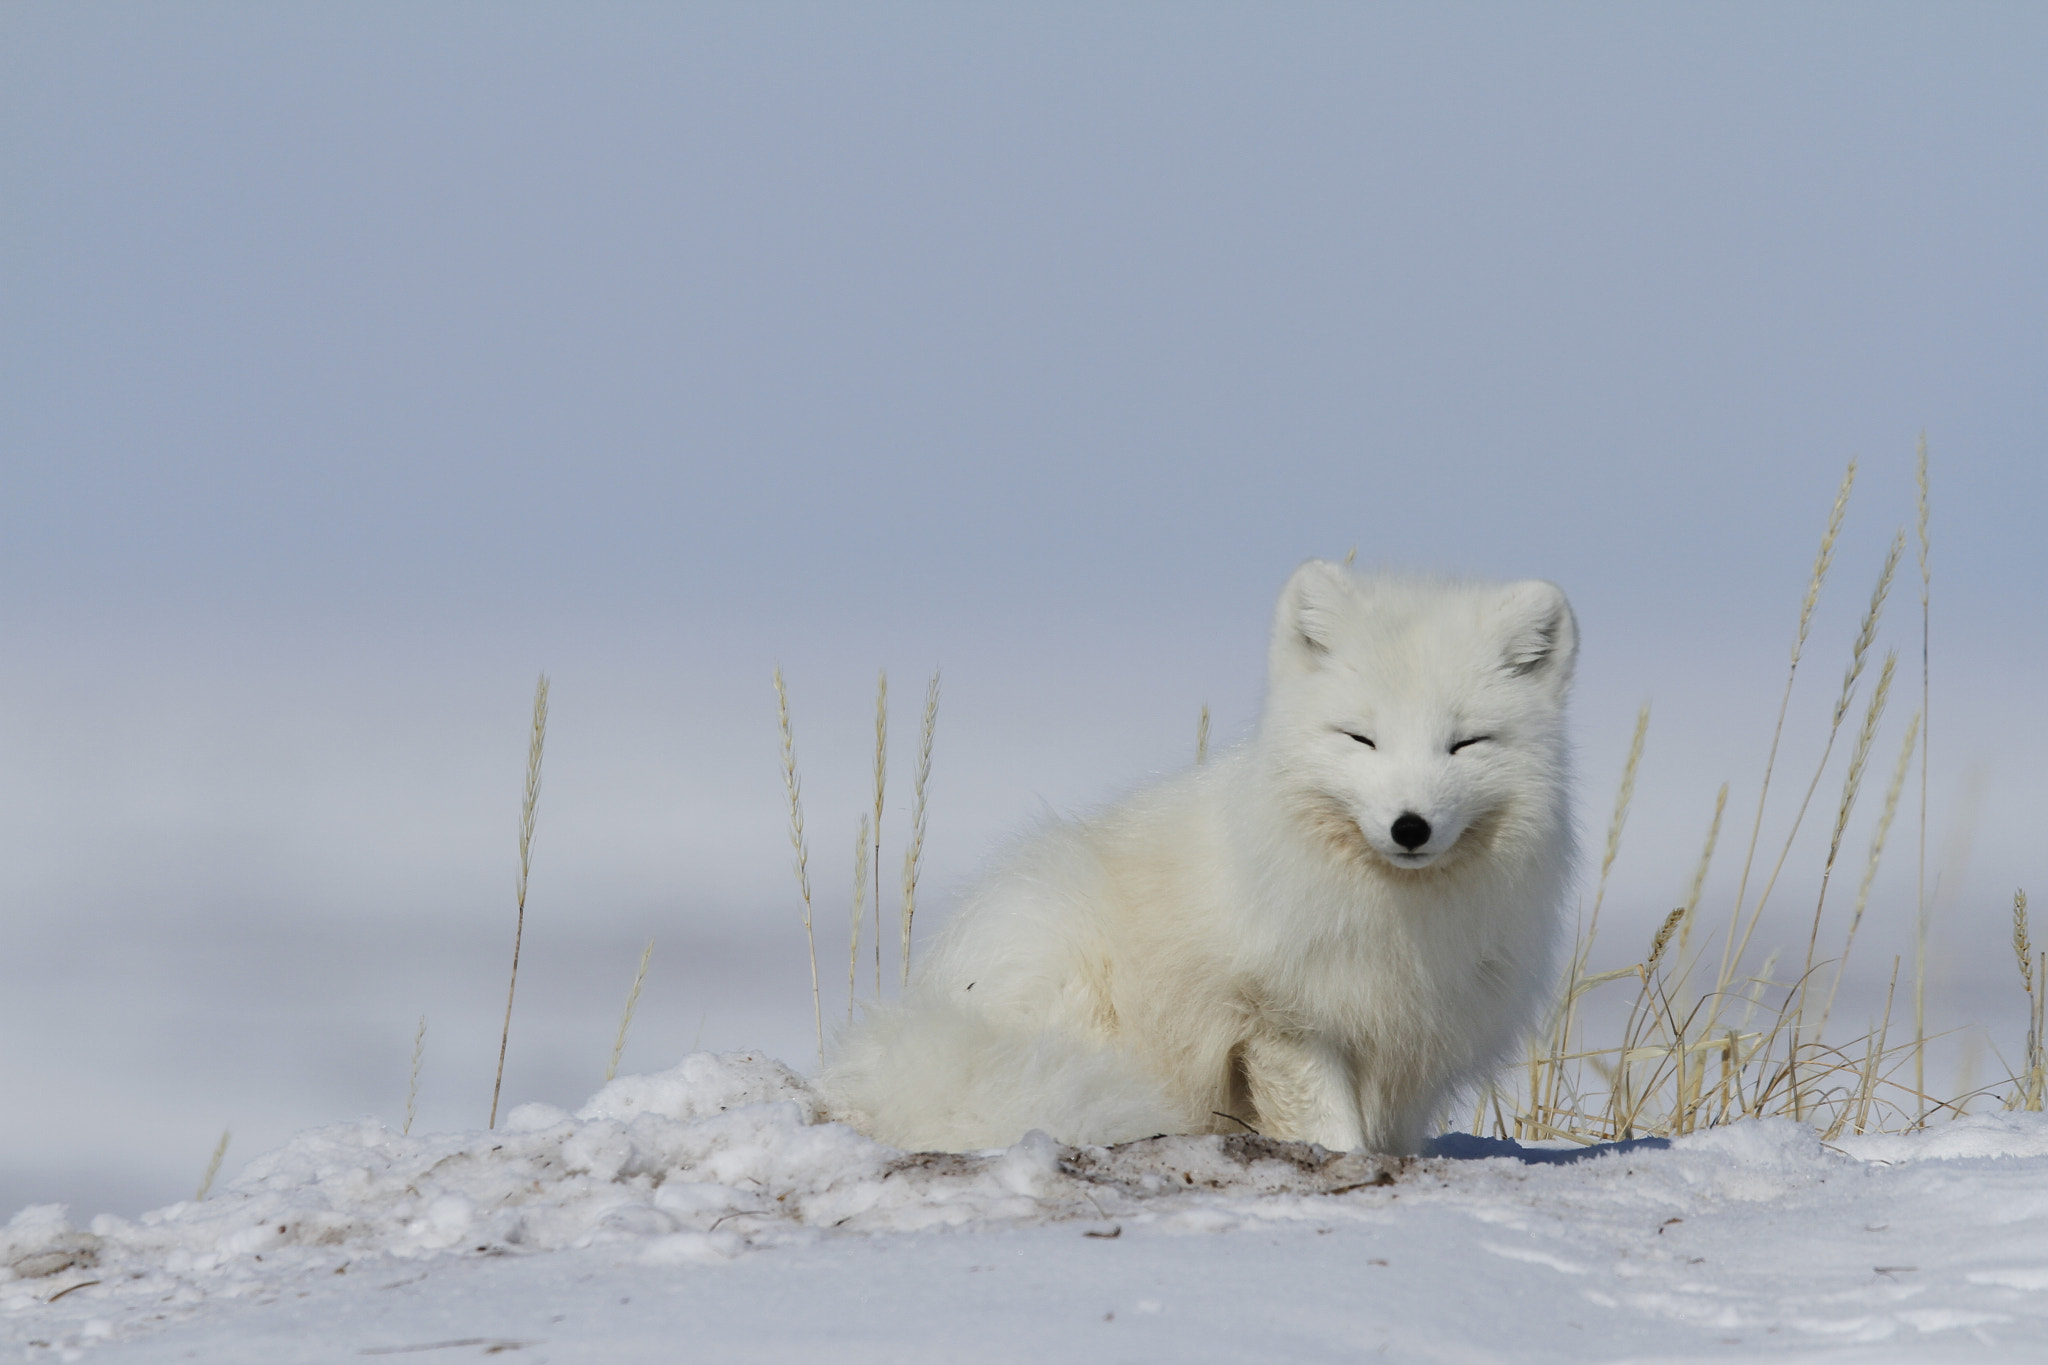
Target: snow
{"type": "Point", "coordinates": [711, 1208]}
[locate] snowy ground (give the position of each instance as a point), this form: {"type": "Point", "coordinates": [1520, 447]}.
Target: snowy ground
{"type": "Point", "coordinates": [705, 1212]}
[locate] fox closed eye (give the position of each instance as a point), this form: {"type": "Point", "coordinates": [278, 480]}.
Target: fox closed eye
{"type": "Point", "coordinates": [1468, 743]}
{"type": "Point", "coordinates": [1361, 739]}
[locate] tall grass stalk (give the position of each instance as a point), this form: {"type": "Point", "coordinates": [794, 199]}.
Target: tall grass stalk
{"type": "Point", "coordinates": [1859, 657]}
{"type": "Point", "coordinates": [1624, 797]}
{"type": "Point", "coordinates": [793, 786]}
{"type": "Point", "coordinates": [1545, 1098]}
{"type": "Point", "coordinates": [1698, 885]}
{"type": "Point", "coordinates": [1852, 786]}
{"type": "Point", "coordinates": [536, 743]}
{"type": "Point", "coordinates": [1877, 840]}
{"type": "Point", "coordinates": [1926, 718]}
{"type": "Point", "coordinates": [626, 1015]}
{"type": "Point", "coordinates": [1822, 561]}
{"type": "Point", "coordinates": [860, 910]}
{"type": "Point", "coordinates": [2034, 976]}
{"type": "Point", "coordinates": [1202, 737]}
{"type": "Point", "coordinates": [412, 1083]}
{"type": "Point", "coordinates": [913, 854]}
{"type": "Point", "coordinates": [881, 786]}
{"type": "Point", "coordinates": [220, 1150]}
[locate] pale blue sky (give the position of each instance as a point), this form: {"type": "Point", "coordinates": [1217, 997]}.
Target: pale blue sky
{"type": "Point", "coordinates": [363, 359]}
{"type": "Point", "coordinates": [893, 309]}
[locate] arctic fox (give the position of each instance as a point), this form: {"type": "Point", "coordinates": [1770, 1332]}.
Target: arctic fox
{"type": "Point", "coordinates": [1320, 935]}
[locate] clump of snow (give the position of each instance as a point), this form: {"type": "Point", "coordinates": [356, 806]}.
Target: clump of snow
{"type": "Point", "coordinates": [724, 1155]}
{"type": "Point", "coordinates": [702, 1085]}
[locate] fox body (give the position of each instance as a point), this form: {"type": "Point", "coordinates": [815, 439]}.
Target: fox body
{"type": "Point", "coordinates": [1320, 935]}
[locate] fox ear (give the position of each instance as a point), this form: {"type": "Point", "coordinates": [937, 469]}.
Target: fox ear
{"type": "Point", "coordinates": [1542, 633]}
{"type": "Point", "coordinates": [1305, 621]}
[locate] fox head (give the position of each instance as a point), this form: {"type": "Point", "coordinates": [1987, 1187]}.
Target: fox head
{"type": "Point", "coordinates": [1412, 720]}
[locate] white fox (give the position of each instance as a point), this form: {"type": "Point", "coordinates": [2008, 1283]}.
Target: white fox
{"type": "Point", "coordinates": [1321, 935]}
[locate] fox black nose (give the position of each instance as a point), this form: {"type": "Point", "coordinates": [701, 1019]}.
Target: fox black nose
{"type": "Point", "coordinates": [1410, 830]}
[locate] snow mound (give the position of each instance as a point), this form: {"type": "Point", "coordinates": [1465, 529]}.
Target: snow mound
{"type": "Point", "coordinates": [705, 1160]}
{"type": "Point", "coordinates": [726, 1154]}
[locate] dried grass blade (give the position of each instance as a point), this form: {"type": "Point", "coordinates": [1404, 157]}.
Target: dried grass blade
{"type": "Point", "coordinates": [913, 856]}
{"type": "Point", "coordinates": [793, 787]}
{"type": "Point", "coordinates": [529, 809]}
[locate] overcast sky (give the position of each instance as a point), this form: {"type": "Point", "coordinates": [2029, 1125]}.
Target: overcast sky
{"type": "Point", "coordinates": [362, 360]}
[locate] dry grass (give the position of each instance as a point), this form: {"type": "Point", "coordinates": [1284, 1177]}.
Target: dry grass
{"type": "Point", "coordinates": [220, 1150]}
{"type": "Point", "coordinates": [412, 1083]}
{"type": "Point", "coordinates": [860, 908]}
{"type": "Point", "coordinates": [1920, 922]}
{"type": "Point", "coordinates": [867, 844]}
{"type": "Point", "coordinates": [1742, 1042]}
{"type": "Point", "coordinates": [2034, 976]}
{"type": "Point", "coordinates": [1548, 1075]}
{"type": "Point", "coordinates": [913, 852]}
{"type": "Point", "coordinates": [793, 786]}
{"type": "Point", "coordinates": [881, 787]}
{"type": "Point", "coordinates": [1821, 563]}
{"type": "Point", "coordinates": [626, 1015]}
{"type": "Point", "coordinates": [535, 746]}
{"type": "Point", "coordinates": [1877, 842]}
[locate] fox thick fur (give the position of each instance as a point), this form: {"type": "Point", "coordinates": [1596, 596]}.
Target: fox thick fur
{"type": "Point", "coordinates": [1320, 935]}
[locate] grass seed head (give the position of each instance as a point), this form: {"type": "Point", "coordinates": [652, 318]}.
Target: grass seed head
{"type": "Point", "coordinates": [2022, 948]}
{"type": "Point", "coordinates": [1823, 560]}
{"type": "Point", "coordinates": [1664, 932]}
